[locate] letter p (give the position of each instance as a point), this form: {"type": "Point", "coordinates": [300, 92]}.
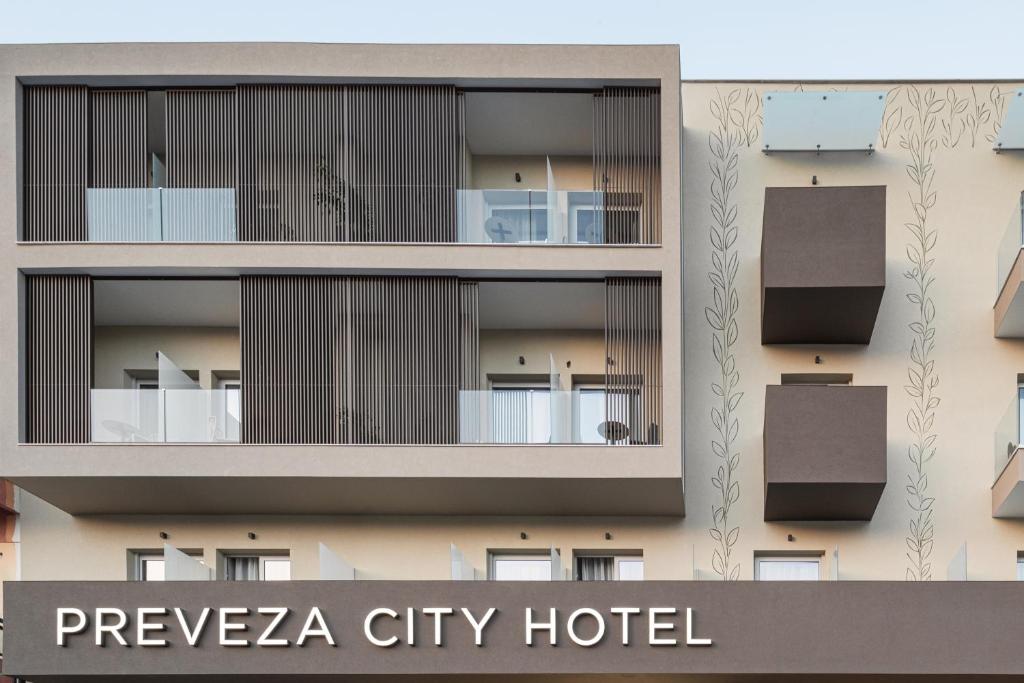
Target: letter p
{"type": "Point", "coordinates": [65, 629]}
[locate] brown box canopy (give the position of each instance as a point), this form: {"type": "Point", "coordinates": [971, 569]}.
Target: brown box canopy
{"type": "Point", "coordinates": [822, 264]}
{"type": "Point", "coordinates": [824, 452]}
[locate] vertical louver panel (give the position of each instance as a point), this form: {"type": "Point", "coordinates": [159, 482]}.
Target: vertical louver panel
{"type": "Point", "coordinates": [469, 336]}
{"type": "Point", "coordinates": [201, 138]}
{"type": "Point", "coordinates": [58, 338]}
{"type": "Point", "coordinates": [633, 350]}
{"type": "Point", "coordinates": [117, 135]}
{"type": "Point", "coordinates": [627, 163]}
{"type": "Point", "coordinates": [293, 359]}
{"type": "Point", "coordinates": [291, 169]}
{"type": "Point", "coordinates": [404, 163]}
{"type": "Point", "coordinates": [56, 162]}
{"type": "Point", "coordinates": [405, 360]}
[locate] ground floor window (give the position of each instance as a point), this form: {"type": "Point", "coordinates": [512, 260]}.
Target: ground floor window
{"type": "Point", "coordinates": [609, 567]}
{"type": "Point", "coordinates": [257, 568]}
{"type": "Point", "coordinates": [769, 567]}
{"type": "Point", "coordinates": [520, 567]}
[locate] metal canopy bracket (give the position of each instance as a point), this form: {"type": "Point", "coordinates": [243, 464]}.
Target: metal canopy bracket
{"type": "Point", "coordinates": [822, 121]}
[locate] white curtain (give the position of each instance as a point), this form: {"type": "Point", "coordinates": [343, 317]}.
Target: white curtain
{"type": "Point", "coordinates": [787, 570]}
{"type": "Point", "coordinates": [243, 569]}
{"type": "Point", "coordinates": [595, 568]}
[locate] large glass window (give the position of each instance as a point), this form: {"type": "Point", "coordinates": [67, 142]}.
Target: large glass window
{"type": "Point", "coordinates": [786, 568]}
{"type": "Point", "coordinates": [150, 565]}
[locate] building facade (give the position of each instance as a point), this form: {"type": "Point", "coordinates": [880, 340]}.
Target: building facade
{"type": "Point", "coordinates": [314, 353]}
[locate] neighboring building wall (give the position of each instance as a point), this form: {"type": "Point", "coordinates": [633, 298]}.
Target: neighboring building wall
{"type": "Point", "coordinates": [208, 350]}
{"type": "Point", "coordinates": [951, 128]}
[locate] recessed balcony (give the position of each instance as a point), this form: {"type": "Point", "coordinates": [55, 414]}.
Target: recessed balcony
{"type": "Point", "coordinates": [824, 452]}
{"type": "Point", "coordinates": [822, 264]}
{"type": "Point", "coordinates": [1008, 484]}
{"type": "Point", "coordinates": [338, 394]}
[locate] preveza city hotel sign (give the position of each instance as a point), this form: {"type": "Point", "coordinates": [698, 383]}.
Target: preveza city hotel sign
{"type": "Point", "coordinates": [383, 627]}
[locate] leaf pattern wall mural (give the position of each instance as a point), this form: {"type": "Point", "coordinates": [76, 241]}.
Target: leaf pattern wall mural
{"type": "Point", "coordinates": [738, 117]}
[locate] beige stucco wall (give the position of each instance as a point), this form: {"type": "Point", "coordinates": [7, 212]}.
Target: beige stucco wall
{"type": "Point", "coordinates": [498, 172]}
{"type": "Point", "coordinates": [575, 352]}
{"type": "Point", "coordinates": [975, 192]}
{"type": "Point", "coordinates": [207, 350]}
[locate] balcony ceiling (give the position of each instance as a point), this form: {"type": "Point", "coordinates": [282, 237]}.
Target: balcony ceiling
{"type": "Point", "coordinates": [542, 305]}
{"type": "Point", "coordinates": [518, 123]}
{"type": "Point", "coordinates": [197, 303]}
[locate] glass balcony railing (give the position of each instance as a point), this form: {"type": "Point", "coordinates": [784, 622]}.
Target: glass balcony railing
{"type": "Point", "coordinates": [538, 416]}
{"type": "Point", "coordinates": [531, 217]}
{"type": "Point", "coordinates": [1011, 243]}
{"type": "Point", "coordinates": [160, 215]}
{"type": "Point", "coordinates": [165, 415]}
{"type": "Point", "coordinates": [1008, 433]}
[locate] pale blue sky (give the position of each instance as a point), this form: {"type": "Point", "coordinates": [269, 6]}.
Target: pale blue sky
{"type": "Point", "coordinates": [719, 38]}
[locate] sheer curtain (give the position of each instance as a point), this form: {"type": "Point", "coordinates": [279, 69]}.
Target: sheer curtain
{"type": "Point", "coordinates": [243, 569]}
{"type": "Point", "coordinates": [595, 568]}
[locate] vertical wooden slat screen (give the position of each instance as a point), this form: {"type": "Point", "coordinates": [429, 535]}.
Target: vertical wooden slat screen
{"type": "Point", "coordinates": [469, 335]}
{"type": "Point", "coordinates": [56, 162]}
{"type": "Point", "coordinates": [293, 358]}
{"type": "Point", "coordinates": [58, 357]}
{"type": "Point", "coordinates": [291, 163]}
{"type": "Point", "coordinates": [633, 357]}
{"type": "Point", "coordinates": [627, 163]}
{"type": "Point", "coordinates": [117, 137]}
{"type": "Point", "coordinates": [405, 360]}
{"type": "Point", "coordinates": [403, 155]}
{"type": "Point", "coordinates": [201, 138]}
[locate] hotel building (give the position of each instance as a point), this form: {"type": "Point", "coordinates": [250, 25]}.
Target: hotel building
{"type": "Point", "coordinates": [315, 354]}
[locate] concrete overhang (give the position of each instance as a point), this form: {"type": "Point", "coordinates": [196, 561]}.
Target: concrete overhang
{"type": "Point", "coordinates": [545, 479]}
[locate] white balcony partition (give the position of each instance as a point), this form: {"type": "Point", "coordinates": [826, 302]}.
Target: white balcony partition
{"type": "Point", "coordinates": [1011, 130]}
{"type": "Point", "coordinates": [180, 567]}
{"type": "Point", "coordinates": [462, 570]}
{"type": "Point", "coordinates": [557, 573]}
{"type": "Point", "coordinates": [957, 569]}
{"type": "Point", "coordinates": [333, 567]}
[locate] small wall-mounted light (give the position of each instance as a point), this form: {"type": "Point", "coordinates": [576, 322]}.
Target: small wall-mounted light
{"type": "Point", "coordinates": [568, 363]}
{"type": "Point", "coordinates": [522, 535]}
{"type": "Point", "coordinates": [522, 361]}
{"type": "Point", "coordinates": [607, 535]}
{"type": "Point", "coordinates": [790, 537]}
{"type": "Point", "coordinates": [252, 535]}
{"type": "Point", "coordinates": [814, 180]}
{"type": "Point", "coordinates": [818, 360]}
{"type": "Point", "coordinates": [164, 535]}
{"type": "Point", "coordinates": [519, 178]}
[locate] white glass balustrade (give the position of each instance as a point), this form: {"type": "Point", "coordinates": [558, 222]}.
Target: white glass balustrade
{"type": "Point", "coordinates": [538, 416]}
{"type": "Point", "coordinates": [165, 415]}
{"type": "Point", "coordinates": [1008, 437]}
{"type": "Point", "coordinates": [531, 217]}
{"type": "Point", "coordinates": [161, 214]}
{"type": "Point", "coordinates": [1011, 243]}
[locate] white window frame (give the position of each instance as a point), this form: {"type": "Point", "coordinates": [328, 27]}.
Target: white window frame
{"type": "Point", "coordinates": [493, 557]}
{"type": "Point", "coordinates": [263, 558]}
{"type": "Point", "coordinates": [618, 559]}
{"type": "Point", "coordinates": [783, 557]}
{"type": "Point", "coordinates": [1020, 566]}
{"type": "Point", "coordinates": [227, 385]}
{"type": "Point", "coordinates": [527, 208]}
{"type": "Point", "coordinates": [140, 557]}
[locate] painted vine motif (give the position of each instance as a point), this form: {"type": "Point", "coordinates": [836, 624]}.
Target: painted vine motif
{"type": "Point", "coordinates": [738, 115]}
{"type": "Point", "coordinates": [919, 138]}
